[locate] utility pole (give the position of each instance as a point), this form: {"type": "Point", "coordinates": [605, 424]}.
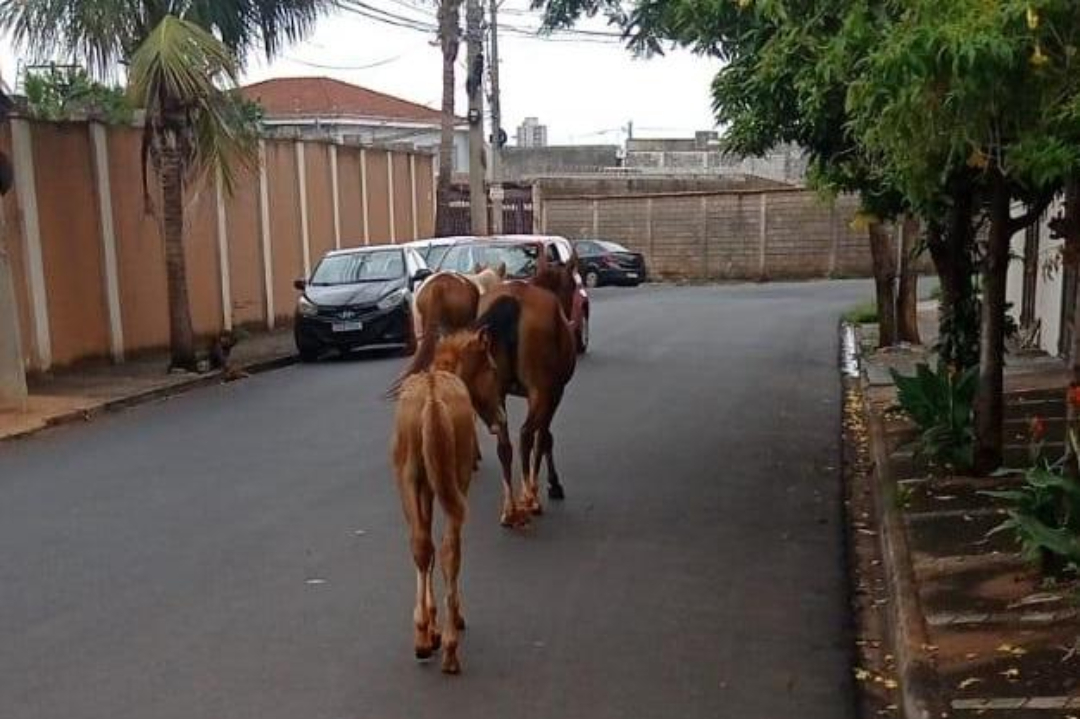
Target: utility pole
{"type": "Point", "coordinates": [496, 127]}
{"type": "Point", "coordinates": [474, 86]}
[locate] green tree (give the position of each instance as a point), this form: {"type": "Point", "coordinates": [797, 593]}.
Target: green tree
{"type": "Point", "coordinates": [977, 95]}
{"type": "Point", "coordinates": [182, 57]}
{"type": "Point", "coordinates": [69, 93]}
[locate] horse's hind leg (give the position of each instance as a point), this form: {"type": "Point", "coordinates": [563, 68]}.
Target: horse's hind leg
{"type": "Point", "coordinates": [451, 567]}
{"type": "Point", "coordinates": [547, 446]}
{"type": "Point", "coordinates": [532, 438]}
{"type": "Point", "coordinates": [425, 636]}
{"type": "Point", "coordinates": [511, 515]}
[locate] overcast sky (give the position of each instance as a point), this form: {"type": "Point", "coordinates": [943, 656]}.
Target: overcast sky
{"type": "Point", "coordinates": [584, 91]}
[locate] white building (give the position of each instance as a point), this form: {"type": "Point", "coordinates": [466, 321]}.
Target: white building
{"type": "Point", "coordinates": [531, 133]}
{"type": "Point", "coordinates": [321, 107]}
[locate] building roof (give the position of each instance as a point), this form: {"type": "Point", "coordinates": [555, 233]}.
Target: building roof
{"type": "Point", "coordinates": [326, 98]}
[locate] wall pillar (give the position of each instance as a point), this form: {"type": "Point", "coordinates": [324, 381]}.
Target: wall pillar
{"type": "Point", "coordinates": [22, 149]}
{"type": "Point", "coordinates": [100, 143]}
{"type": "Point", "coordinates": [264, 228]}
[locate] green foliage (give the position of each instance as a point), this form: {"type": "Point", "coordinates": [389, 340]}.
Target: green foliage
{"type": "Point", "coordinates": [866, 313]}
{"type": "Point", "coordinates": [1044, 517]}
{"type": "Point", "coordinates": [940, 403]}
{"type": "Point", "coordinates": [69, 93]}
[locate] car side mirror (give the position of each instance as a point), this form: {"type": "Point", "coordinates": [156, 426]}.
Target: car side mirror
{"type": "Point", "coordinates": [300, 284]}
{"type": "Point", "coordinates": [421, 275]}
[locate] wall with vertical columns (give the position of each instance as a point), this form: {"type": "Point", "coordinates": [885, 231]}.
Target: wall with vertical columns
{"type": "Point", "coordinates": [720, 235]}
{"type": "Point", "coordinates": [88, 258]}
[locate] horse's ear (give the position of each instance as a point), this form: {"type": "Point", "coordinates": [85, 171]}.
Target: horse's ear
{"type": "Point", "coordinates": [477, 269]}
{"type": "Point", "coordinates": [500, 270]}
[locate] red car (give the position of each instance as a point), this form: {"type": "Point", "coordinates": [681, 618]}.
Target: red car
{"type": "Point", "coordinates": [524, 256]}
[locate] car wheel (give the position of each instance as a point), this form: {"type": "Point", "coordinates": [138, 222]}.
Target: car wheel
{"type": "Point", "coordinates": [583, 335]}
{"type": "Point", "coordinates": [592, 279]}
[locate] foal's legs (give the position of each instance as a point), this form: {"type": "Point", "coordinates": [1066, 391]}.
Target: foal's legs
{"type": "Point", "coordinates": [451, 567]}
{"type": "Point", "coordinates": [417, 500]}
{"type": "Point", "coordinates": [547, 448]}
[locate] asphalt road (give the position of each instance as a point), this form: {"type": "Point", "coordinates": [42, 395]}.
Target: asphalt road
{"type": "Point", "coordinates": [238, 552]}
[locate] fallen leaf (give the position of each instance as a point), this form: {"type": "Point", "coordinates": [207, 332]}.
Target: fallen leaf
{"type": "Point", "coordinates": [969, 682]}
{"type": "Point", "coordinates": [861, 674]}
{"type": "Point", "coordinates": [1011, 673]}
{"type": "Point", "coordinates": [890, 684]}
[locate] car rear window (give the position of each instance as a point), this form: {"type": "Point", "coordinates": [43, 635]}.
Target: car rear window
{"type": "Point", "coordinates": [612, 246]}
{"type": "Point", "coordinates": [520, 260]}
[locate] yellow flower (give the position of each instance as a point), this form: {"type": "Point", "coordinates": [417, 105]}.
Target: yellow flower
{"type": "Point", "coordinates": [978, 160]}
{"type": "Point", "coordinates": [1032, 18]}
{"type": "Point", "coordinates": [743, 4]}
{"type": "Point", "coordinates": [862, 221]}
{"type": "Point", "coordinates": [1038, 59]}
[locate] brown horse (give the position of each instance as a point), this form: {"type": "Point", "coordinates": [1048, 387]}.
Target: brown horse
{"type": "Point", "coordinates": [534, 350]}
{"type": "Point", "coordinates": [434, 454]}
{"type": "Point", "coordinates": [445, 303]}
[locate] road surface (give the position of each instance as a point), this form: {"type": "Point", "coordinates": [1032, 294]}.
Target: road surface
{"type": "Point", "coordinates": [239, 553]}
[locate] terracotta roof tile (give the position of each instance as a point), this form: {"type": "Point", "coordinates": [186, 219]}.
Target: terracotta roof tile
{"type": "Point", "coordinates": [326, 98]}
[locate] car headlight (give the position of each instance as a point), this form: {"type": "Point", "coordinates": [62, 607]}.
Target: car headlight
{"type": "Point", "coordinates": [392, 300]}
{"type": "Point", "coordinates": [306, 307]}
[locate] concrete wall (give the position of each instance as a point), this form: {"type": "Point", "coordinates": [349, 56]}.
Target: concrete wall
{"type": "Point", "coordinates": [521, 163]}
{"type": "Point", "coordinates": [758, 234]}
{"type": "Point", "coordinates": [1049, 287]}
{"type": "Point", "coordinates": [686, 156]}
{"type": "Point", "coordinates": [88, 258]}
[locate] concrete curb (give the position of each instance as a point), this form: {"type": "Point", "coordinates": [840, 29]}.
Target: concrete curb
{"type": "Point", "coordinates": [920, 693]}
{"type": "Point", "coordinates": [151, 395]}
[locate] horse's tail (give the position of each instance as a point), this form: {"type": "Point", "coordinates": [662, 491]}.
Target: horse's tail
{"type": "Point", "coordinates": [424, 354]}
{"type": "Point", "coordinates": [437, 443]}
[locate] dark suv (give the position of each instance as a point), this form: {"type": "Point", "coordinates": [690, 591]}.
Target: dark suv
{"type": "Point", "coordinates": [358, 298]}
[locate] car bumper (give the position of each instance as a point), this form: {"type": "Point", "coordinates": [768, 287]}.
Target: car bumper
{"type": "Point", "coordinates": [622, 277]}
{"type": "Point", "coordinates": [390, 327]}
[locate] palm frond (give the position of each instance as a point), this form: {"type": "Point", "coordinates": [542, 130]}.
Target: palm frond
{"type": "Point", "coordinates": [98, 33]}
{"type": "Point", "coordinates": [244, 24]}
{"type": "Point", "coordinates": [184, 76]}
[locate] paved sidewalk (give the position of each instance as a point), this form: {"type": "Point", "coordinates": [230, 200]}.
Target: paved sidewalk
{"type": "Point", "coordinates": [983, 633]}
{"type": "Point", "coordinates": [79, 393]}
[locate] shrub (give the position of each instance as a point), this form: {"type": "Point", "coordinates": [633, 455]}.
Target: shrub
{"type": "Point", "coordinates": [941, 404]}
{"type": "Point", "coordinates": [865, 313]}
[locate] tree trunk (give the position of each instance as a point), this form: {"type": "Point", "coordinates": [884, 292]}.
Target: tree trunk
{"type": "Point", "coordinates": [181, 335]}
{"type": "Point", "coordinates": [884, 265]}
{"type": "Point", "coordinates": [907, 296]}
{"type": "Point", "coordinates": [989, 400]}
{"type": "Point", "coordinates": [951, 247]}
{"type": "Point", "coordinates": [449, 38]}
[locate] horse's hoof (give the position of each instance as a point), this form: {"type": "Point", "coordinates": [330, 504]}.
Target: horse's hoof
{"type": "Point", "coordinates": [424, 652]}
{"type": "Point", "coordinates": [436, 642]}
{"type": "Point", "coordinates": [450, 665]}
{"type": "Point", "coordinates": [555, 491]}
{"type": "Point", "coordinates": [460, 623]}
{"type": "Point", "coordinates": [536, 509]}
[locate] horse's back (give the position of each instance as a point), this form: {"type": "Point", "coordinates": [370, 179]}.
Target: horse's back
{"type": "Point", "coordinates": [545, 351]}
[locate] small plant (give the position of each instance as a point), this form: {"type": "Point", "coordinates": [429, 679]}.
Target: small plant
{"type": "Point", "coordinates": [1044, 517]}
{"type": "Point", "coordinates": [863, 314]}
{"type": "Point", "coordinates": [941, 403]}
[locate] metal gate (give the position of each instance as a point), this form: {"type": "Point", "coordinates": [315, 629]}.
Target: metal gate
{"type": "Point", "coordinates": [517, 211]}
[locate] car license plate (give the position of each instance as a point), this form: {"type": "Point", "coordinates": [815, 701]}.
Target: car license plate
{"type": "Point", "coordinates": [347, 326]}
{"type": "Point", "coordinates": [632, 275]}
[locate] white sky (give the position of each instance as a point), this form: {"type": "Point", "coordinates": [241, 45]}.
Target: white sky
{"type": "Point", "coordinates": [585, 92]}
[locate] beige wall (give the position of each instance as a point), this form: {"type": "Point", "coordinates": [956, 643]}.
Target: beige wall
{"type": "Point", "coordinates": [716, 235]}
{"type": "Point", "coordinates": [72, 244]}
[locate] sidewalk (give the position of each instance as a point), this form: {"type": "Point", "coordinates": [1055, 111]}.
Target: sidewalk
{"type": "Point", "coordinates": [78, 394]}
{"type": "Point", "coordinates": [982, 633]}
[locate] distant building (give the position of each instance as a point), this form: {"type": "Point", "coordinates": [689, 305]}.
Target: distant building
{"type": "Point", "coordinates": [531, 133]}
{"type": "Point", "coordinates": [321, 107]}
{"type": "Point", "coordinates": [701, 155]}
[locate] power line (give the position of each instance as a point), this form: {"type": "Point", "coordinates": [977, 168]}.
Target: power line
{"type": "Point", "coordinates": [378, 63]}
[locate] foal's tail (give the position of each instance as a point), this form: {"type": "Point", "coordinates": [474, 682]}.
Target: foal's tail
{"type": "Point", "coordinates": [440, 452]}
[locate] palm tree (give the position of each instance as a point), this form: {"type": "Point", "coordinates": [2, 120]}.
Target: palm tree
{"type": "Point", "coordinates": [449, 40]}
{"type": "Point", "coordinates": [183, 57]}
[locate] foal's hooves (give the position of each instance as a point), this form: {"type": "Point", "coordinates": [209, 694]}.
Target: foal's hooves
{"type": "Point", "coordinates": [555, 491]}
{"type": "Point", "coordinates": [424, 652]}
{"type": "Point", "coordinates": [450, 665]}
{"type": "Point", "coordinates": [460, 623]}
{"type": "Point", "coordinates": [436, 642]}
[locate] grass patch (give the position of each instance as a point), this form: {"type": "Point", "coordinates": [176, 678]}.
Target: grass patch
{"type": "Point", "coordinates": [863, 314]}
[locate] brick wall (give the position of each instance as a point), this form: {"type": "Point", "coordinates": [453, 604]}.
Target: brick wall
{"type": "Point", "coordinates": [771, 234]}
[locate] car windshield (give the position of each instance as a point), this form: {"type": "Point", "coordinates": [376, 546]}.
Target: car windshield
{"type": "Point", "coordinates": [520, 260]}
{"type": "Point", "coordinates": [371, 266]}
{"type": "Point", "coordinates": [434, 254]}
{"type": "Point", "coordinates": [611, 246]}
